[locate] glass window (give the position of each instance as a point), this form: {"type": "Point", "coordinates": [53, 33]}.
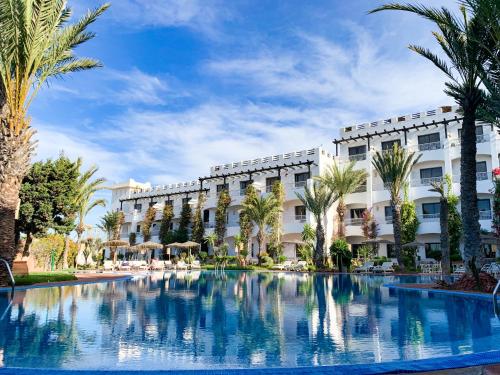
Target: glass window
{"type": "Point", "coordinates": [388, 145]}
{"type": "Point", "coordinates": [391, 253]}
{"type": "Point", "coordinates": [357, 213]}
{"type": "Point", "coordinates": [151, 204]}
{"type": "Point", "coordinates": [169, 203]}
{"type": "Point", "coordinates": [185, 200]}
{"type": "Point", "coordinates": [428, 138]}
{"type": "Point", "coordinates": [270, 182]}
{"type": "Point", "coordinates": [479, 131]}
{"type": "Point", "coordinates": [138, 206]}
{"type": "Point", "coordinates": [221, 187]}
{"type": "Point", "coordinates": [300, 211]}
{"type": "Point", "coordinates": [302, 177]}
{"type": "Point", "coordinates": [245, 184]}
{"type": "Point", "coordinates": [431, 208]}
{"type": "Point", "coordinates": [206, 216]}
{"type": "Point", "coordinates": [433, 250]}
{"type": "Point", "coordinates": [357, 150]}
{"type": "Point", "coordinates": [481, 166]}
{"type": "Point", "coordinates": [388, 211]}
{"type": "Point", "coordinates": [484, 205]}
{"type": "Point", "coordinates": [138, 228]}
{"type": "Point", "coordinates": [431, 172]}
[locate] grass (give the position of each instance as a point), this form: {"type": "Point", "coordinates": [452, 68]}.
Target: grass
{"type": "Point", "coordinates": [43, 277]}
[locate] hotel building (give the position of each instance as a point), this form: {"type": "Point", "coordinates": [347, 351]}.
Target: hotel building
{"type": "Point", "coordinates": [434, 134]}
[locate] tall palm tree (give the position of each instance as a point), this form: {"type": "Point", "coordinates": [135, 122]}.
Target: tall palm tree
{"type": "Point", "coordinates": [465, 40]}
{"type": "Point", "coordinates": [36, 43]}
{"type": "Point", "coordinates": [343, 181]}
{"type": "Point", "coordinates": [394, 169]}
{"type": "Point", "coordinates": [261, 210]}
{"type": "Point", "coordinates": [443, 188]}
{"type": "Point", "coordinates": [318, 200]}
{"type": "Point", "coordinates": [87, 187]}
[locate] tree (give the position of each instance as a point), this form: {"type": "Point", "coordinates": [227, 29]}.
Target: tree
{"type": "Point", "coordinates": [275, 244]}
{"type": "Point", "coordinates": [37, 43]}
{"type": "Point", "coordinates": [147, 223]}
{"type": "Point", "coordinates": [444, 189]}
{"type": "Point", "coordinates": [221, 215]}
{"type": "Point", "coordinates": [318, 200]}
{"type": "Point", "coordinates": [198, 227]}
{"type": "Point", "coordinates": [409, 218]}
{"type": "Point", "coordinates": [246, 223]}
{"type": "Point", "coordinates": [87, 187]}
{"type": "Point", "coordinates": [370, 228]}
{"type": "Point", "coordinates": [394, 169]}
{"type": "Point", "coordinates": [465, 41]}
{"type": "Point", "coordinates": [342, 182]}
{"type": "Point", "coordinates": [306, 250]}
{"type": "Point", "coordinates": [261, 210]}
{"type": "Point", "coordinates": [182, 234]}
{"type": "Point", "coordinates": [211, 240]}
{"type": "Point", "coordinates": [166, 234]}
{"type": "Point", "coordinates": [111, 224]}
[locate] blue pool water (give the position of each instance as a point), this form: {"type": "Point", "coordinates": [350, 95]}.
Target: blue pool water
{"type": "Point", "coordinates": [195, 320]}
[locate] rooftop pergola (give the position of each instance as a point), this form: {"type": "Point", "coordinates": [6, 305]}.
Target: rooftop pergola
{"type": "Point", "coordinates": [404, 130]}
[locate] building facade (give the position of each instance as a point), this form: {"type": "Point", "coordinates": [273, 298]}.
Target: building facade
{"type": "Point", "coordinates": [433, 134]}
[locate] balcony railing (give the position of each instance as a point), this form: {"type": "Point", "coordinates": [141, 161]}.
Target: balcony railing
{"type": "Point", "coordinates": [301, 218]}
{"type": "Point", "coordinates": [429, 217]}
{"type": "Point", "coordinates": [269, 188]}
{"type": "Point", "coordinates": [481, 138]}
{"type": "Point", "coordinates": [357, 157]}
{"type": "Point", "coordinates": [360, 189]}
{"type": "Point", "coordinates": [300, 184]}
{"type": "Point", "coordinates": [429, 180]}
{"type": "Point", "coordinates": [482, 176]}
{"type": "Point", "coordinates": [354, 221]}
{"type": "Point", "coordinates": [388, 219]}
{"type": "Point", "coordinates": [208, 225]}
{"type": "Point", "coordinates": [430, 146]}
{"type": "Point", "coordinates": [485, 215]}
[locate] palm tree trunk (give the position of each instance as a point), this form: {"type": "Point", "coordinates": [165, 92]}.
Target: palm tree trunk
{"type": "Point", "coordinates": [65, 252]}
{"type": "Point", "coordinates": [468, 190]}
{"type": "Point", "coordinates": [319, 257]}
{"type": "Point", "coordinates": [396, 225]}
{"type": "Point", "coordinates": [341, 208]}
{"type": "Point", "coordinates": [444, 237]}
{"type": "Point", "coordinates": [260, 241]}
{"type": "Point", "coordinates": [8, 206]}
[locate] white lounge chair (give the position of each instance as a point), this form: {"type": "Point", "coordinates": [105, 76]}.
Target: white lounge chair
{"type": "Point", "coordinates": [181, 265]}
{"type": "Point", "coordinates": [108, 265]}
{"type": "Point", "coordinates": [367, 267]}
{"type": "Point", "coordinates": [167, 264]}
{"type": "Point", "coordinates": [157, 265]}
{"type": "Point", "coordinates": [124, 266]}
{"type": "Point", "coordinates": [286, 265]}
{"type": "Point", "coordinates": [195, 265]}
{"type": "Point", "coordinates": [386, 267]}
{"type": "Point", "coordinates": [300, 266]}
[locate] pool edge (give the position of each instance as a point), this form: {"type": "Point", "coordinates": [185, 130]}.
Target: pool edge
{"type": "Point", "coordinates": [400, 286]}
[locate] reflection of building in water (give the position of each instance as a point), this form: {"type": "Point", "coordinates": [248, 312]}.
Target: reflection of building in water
{"type": "Point", "coordinates": [1, 358]}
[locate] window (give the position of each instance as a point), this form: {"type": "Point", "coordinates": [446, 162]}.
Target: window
{"type": "Point", "coordinates": [206, 216]}
{"type": "Point", "coordinates": [433, 250]}
{"type": "Point", "coordinates": [428, 175]}
{"type": "Point", "coordinates": [388, 212]}
{"type": "Point", "coordinates": [186, 200]}
{"type": "Point", "coordinates": [355, 249]}
{"type": "Point", "coordinates": [484, 207]}
{"type": "Point", "coordinates": [138, 228]}
{"type": "Point", "coordinates": [479, 131]}
{"type": "Point", "coordinates": [221, 187]}
{"type": "Point", "coordinates": [481, 166]}
{"type": "Point", "coordinates": [138, 207]}
{"type": "Point", "coordinates": [431, 210]}
{"type": "Point", "coordinates": [169, 203]}
{"type": "Point", "coordinates": [390, 251]}
{"type": "Point", "coordinates": [245, 184]}
{"type": "Point", "coordinates": [357, 150]}
{"type": "Point", "coordinates": [389, 145]}
{"type": "Point", "coordinates": [300, 213]}
{"type": "Point", "coordinates": [151, 204]}
{"type": "Point", "coordinates": [270, 182]}
{"type": "Point", "coordinates": [301, 179]}
{"type": "Point", "coordinates": [428, 138]}
{"type": "Point", "coordinates": [357, 213]}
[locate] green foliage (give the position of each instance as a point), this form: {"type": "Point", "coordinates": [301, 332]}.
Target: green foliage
{"type": "Point", "coordinates": [182, 235]}
{"type": "Point", "coordinates": [496, 207]}
{"type": "Point", "coordinates": [43, 277]}
{"type": "Point", "coordinates": [51, 247]}
{"type": "Point", "coordinates": [276, 222]}
{"type": "Point", "coordinates": [306, 250]}
{"type": "Point", "coordinates": [246, 223]}
{"type": "Point", "coordinates": [266, 261]}
{"type": "Point", "coordinates": [198, 228]}
{"type": "Point", "coordinates": [211, 240]}
{"type": "Point", "coordinates": [149, 218]}
{"type": "Point", "coordinates": [203, 256]}
{"type": "Point", "coordinates": [409, 219]}
{"type": "Point", "coordinates": [366, 252]}
{"type": "Point", "coordinates": [340, 253]}
{"type": "Point", "coordinates": [111, 224]}
{"type": "Point", "coordinates": [48, 197]}
{"type": "Point", "coordinates": [281, 258]}
{"type": "Point", "coordinates": [166, 234]}
{"type": "Point", "coordinates": [221, 215]}
{"type": "Point", "coordinates": [454, 227]}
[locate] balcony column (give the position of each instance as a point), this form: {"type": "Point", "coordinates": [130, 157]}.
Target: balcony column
{"type": "Point", "coordinates": [495, 163]}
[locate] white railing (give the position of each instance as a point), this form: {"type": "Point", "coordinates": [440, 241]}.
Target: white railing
{"type": "Point", "coordinates": [430, 146]}
{"type": "Point", "coordinates": [301, 218]}
{"type": "Point", "coordinates": [388, 219]}
{"type": "Point", "coordinates": [357, 157]}
{"type": "Point", "coordinates": [429, 217]}
{"type": "Point", "coordinates": [427, 181]}
{"type": "Point", "coordinates": [482, 176]}
{"type": "Point", "coordinates": [485, 215]}
{"type": "Point", "coordinates": [354, 222]}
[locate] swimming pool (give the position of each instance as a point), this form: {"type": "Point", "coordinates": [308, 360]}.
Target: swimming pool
{"type": "Point", "coordinates": [200, 320]}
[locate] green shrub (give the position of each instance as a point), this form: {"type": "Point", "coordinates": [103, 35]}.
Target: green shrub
{"type": "Point", "coordinates": [267, 261]}
{"type": "Point", "coordinates": [341, 254]}
{"type": "Point", "coordinates": [203, 256]}
{"type": "Point", "coordinates": [281, 258]}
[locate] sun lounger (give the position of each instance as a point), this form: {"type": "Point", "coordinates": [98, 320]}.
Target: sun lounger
{"type": "Point", "coordinates": [195, 265]}
{"type": "Point", "coordinates": [286, 265]}
{"type": "Point", "coordinates": [367, 267]}
{"type": "Point", "coordinates": [386, 267]}
{"type": "Point", "coordinates": [167, 264]}
{"type": "Point", "coordinates": [181, 265]}
{"type": "Point", "coordinates": [157, 265]}
{"type": "Point", "coordinates": [108, 265]}
{"type": "Point", "coordinates": [300, 266]}
{"type": "Point", "coordinates": [124, 266]}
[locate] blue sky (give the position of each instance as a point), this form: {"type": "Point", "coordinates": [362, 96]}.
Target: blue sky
{"type": "Point", "coordinates": [194, 83]}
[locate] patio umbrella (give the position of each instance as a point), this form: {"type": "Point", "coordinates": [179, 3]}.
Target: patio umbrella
{"type": "Point", "coordinates": [413, 244]}
{"type": "Point", "coordinates": [113, 244]}
{"type": "Point", "coordinates": [149, 245]}
{"type": "Point", "coordinates": [188, 245]}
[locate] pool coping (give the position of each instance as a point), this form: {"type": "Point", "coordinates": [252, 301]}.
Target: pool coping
{"type": "Point", "coordinates": [410, 366]}
{"type": "Point", "coordinates": [401, 286]}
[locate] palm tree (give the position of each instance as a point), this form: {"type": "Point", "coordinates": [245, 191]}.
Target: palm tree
{"type": "Point", "coordinates": [343, 181]}
{"type": "Point", "coordinates": [394, 169]}
{"type": "Point", "coordinates": [465, 41]}
{"type": "Point", "coordinates": [211, 240]}
{"type": "Point", "coordinates": [443, 188]}
{"type": "Point", "coordinates": [318, 201]}
{"type": "Point", "coordinates": [261, 210]}
{"type": "Point", "coordinates": [111, 224]}
{"type": "Point", "coordinates": [87, 187]}
{"type": "Point", "coordinates": [37, 43]}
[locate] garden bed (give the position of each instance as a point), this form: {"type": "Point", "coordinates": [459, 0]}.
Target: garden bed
{"type": "Point", "coordinates": [44, 277]}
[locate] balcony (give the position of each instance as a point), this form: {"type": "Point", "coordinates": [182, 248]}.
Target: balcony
{"type": "Point", "coordinates": [429, 217]}
{"type": "Point", "coordinates": [427, 181]}
{"type": "Point", "coordinates": [430, 146]}
{"type": "Point", "coordinates": [482, 176]}
{"type": "Point", "coordinates": [354, 222]}
{"type": "Point", "coordinates": [485, 215]}
{"type": "Point", "coordinates": [360, 189]}
{"type": "Point", "coordinates": [300, 184]}
{"type": "Point", "coordinates": [208, 225]}
{"type": "Point", "coordinates": [388, 219]}
{"type": "Point", "coordinates": [357, 157]}
{"type": "Point", "coordinates": [300, 218]}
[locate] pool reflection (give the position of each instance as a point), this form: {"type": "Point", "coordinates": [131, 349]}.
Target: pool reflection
{"type": "Point", "coordinates": [239, 319]}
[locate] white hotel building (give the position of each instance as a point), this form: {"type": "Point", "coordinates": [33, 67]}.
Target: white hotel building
{"type": "Point", "coordinates": [434, 134]}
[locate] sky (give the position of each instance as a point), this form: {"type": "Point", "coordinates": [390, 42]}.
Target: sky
{"type": "Point", "coordinates": [188, 84]}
